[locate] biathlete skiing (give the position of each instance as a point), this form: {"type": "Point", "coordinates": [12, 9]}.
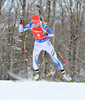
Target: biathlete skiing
{"type": "Point", "coordinates": [42, 33]}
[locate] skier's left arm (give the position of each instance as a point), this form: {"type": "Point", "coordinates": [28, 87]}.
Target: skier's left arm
{"type": "Point", "coordinates": [47, 30]}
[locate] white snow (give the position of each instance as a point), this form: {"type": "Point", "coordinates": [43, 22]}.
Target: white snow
{"type": "Point", "coordinates": [29, 90]}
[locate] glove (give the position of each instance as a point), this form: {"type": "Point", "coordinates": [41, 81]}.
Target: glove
{"type": "Point", "coordinates": [45, 33]}
{"type": "Point", "coordinates": [21, 18]}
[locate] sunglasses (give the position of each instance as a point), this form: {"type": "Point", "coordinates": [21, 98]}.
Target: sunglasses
{"type": "Point", "coordinates": [34, 23]}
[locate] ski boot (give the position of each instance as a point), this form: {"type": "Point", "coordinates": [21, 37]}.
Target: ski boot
{"type": "Point", "coordinates": [66, 77]}
{"type": "Point", "coordinates": [37, 75]}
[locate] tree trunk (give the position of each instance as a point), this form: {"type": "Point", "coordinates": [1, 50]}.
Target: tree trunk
{"type": "Point", "coordinates": [0, 6]}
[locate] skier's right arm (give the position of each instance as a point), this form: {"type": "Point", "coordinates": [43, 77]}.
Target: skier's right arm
{"type": "Point", "coordinates": [28, 26]}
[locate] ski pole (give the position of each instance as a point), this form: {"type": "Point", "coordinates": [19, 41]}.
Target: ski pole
{"type": "Point", "coordinates": [25, 50]}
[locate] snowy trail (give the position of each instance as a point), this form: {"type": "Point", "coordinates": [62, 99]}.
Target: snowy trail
{"type": "Point", "coordinates": [41, 91]}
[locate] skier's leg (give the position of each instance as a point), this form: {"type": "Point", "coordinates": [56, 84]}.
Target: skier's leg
{"type": "Point", "coordinates": [36, 52]}
{"type": "Point", "coordinates": [56, 60]}
{"type": "Point", "coordinates": [53, 55]}
{"type": "Point", "coordinates": [35, 59]}
{"type": "Point", "coordinates": [58, 63]}
{"type": "Point", "coordinates": [49, 48]}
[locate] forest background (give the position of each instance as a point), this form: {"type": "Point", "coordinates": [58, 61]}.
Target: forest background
{"type": "Point", "coordinates": [66, 18]}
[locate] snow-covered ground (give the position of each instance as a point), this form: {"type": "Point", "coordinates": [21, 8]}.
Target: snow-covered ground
{"type": "Point", "coordinates": [10, 90]}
